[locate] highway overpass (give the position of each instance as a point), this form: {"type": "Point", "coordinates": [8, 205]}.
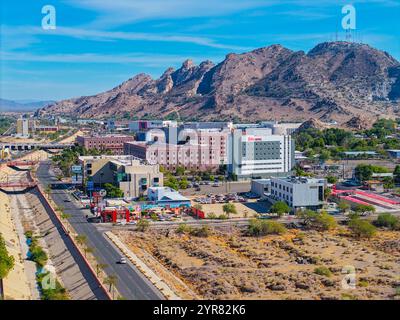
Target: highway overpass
{"type": "Point", "coordinates": [20, 146]}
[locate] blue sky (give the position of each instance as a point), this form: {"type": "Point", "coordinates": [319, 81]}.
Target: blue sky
{"type": "Point", "coordinates": [100, 43]}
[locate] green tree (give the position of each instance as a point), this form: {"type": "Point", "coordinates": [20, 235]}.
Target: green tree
{"type": "Point", "coordinates": [364, 172]}
{"type": "Point", "coordinates": [331, 179]}
{"type": "Point", "coordinates": [180, 171]}
{"type": "Point", "coordinates": [396, 174]}
{"type": "Point", "coordinates": [229, 208]}
{"type": "Point", "coordinates": [183, 183]}
{"type": "Point", "coordinates": [100, 267]}
{"type": "Point", "coordinates": [324, 221]}
{"type": "Point", "coordinates": [81, 239]}
{"type": "Point", "coordinates": [308, 216]}
{"type": "Point", "coordinates": [171, 182]}
{"type": "Point", "coordinates": [362, 209]}
{"type": "Point", "coordinates": [327, 193]}
{"type": "Point", "coordinates": [343, 206]}
{"type": "Point", "coordinates": [318, 220]}
{"type": "Point", "coordinates": [113, 191]}
{"type": "Point", "coordinates": [111, 281]}
{"type": "Point", "coordinates": [6, 260]}
{"type": "Point", "coordinates": [280, 208]}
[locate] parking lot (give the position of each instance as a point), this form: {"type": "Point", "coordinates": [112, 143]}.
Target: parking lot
{"type": "Point", "coordinates": [247, 205]}
{"type": "Point", "coordinates": [204, 188]}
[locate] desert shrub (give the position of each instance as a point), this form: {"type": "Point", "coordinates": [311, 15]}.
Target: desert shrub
{"type": "Point", "coordinates": [142, 225]}
{"type": "Point", "coordinates": [323, 271]}
{"type": "Point", "coordinates": [388, 220]}
{"type": "Point", "coordinates": [362, 228]}
{"type": "Point", "coordinates": [325, 221]}
{"type": "Point", "coordinates": [183, 228]}
{"type": "Point", "coordinates": [261, 228]}
{"type": "Point", "coordinates": [211, 216]}
{"type": "Point", "coordinates": [202, 232]}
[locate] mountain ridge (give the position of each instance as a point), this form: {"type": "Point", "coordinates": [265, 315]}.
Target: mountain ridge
{"type": "Point", "coordinates": [334, 81]}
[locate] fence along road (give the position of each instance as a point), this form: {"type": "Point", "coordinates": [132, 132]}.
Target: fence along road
{"type": "Point", "coordinates": [131, 283]}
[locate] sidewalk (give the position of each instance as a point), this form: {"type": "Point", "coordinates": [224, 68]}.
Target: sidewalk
{"type": "Point", "coordinates": [142, 267]}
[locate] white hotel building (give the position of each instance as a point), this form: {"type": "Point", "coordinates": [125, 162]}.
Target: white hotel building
{"type": "Point", "coordinates": [260, 154]}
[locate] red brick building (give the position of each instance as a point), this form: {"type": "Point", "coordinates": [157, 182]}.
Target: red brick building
{"type": "Point", "coordinates": [115, 143]}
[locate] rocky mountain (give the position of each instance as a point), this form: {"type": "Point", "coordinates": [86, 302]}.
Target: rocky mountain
{"type": "Point", "coordinates": [335, 81]}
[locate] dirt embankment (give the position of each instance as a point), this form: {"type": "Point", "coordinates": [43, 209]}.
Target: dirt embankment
{"type": "Point", "coordinates": [233, 266]}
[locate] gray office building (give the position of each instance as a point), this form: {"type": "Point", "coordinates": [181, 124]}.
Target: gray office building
{"type": "Point", "coordinates": [298, 192]}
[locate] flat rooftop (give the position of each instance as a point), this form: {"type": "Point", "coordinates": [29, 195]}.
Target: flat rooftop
{"type": "Point", "coordinates": [301, 180]}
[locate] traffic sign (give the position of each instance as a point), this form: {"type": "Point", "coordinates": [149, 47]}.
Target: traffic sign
{"type": "Point", "coordinates": [90, 185]}
{"type": "Point", "coordinates": [103, 193]}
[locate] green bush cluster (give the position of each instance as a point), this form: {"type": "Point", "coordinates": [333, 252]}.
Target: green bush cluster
{"type": "Point", "coordinates": [323, 271]}
{"type": "Point", "coordinates": [202, 232]}
{"type": "Point", "coordinates": [317, 220]}
{"type": "Point", "coordinates": [57, 293]}
{"type": "Point", "coordinates": [261, 228]}
{"type": "Point", "coordinates": [38, 255]}
{"type": "Point", "coordinates": [6, 261]}
{"type": "Point", "coordinates": [388, 220]}
{"type": "Point", "coordinates": [361, 228]}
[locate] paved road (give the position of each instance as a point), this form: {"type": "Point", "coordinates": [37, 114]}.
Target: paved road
{"type": "Point", "coordinates": [131, 283]}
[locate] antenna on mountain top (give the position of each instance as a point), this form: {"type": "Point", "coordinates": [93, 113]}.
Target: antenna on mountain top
{"type": "Point", "coordinates": [348, 35]}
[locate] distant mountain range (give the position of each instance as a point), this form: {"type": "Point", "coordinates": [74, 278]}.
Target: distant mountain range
{"type": "Point", "coordinates": [22, 105]}
{"type": "Point", "coordinates": [335, 81]}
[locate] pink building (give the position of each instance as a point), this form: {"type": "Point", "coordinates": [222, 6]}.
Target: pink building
{"type": "Point", "coordinates": [191, 156]}
{"type": "Point", "coordinates": [115, 143]}
{"type": "Point", "coordinates": [216, 140]}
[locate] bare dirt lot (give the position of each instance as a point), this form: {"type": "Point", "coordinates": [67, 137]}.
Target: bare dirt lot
{"type": "Point", "coordinates": [230, 265]}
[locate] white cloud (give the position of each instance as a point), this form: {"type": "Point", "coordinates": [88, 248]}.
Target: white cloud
{"type": "Point", "coordinates": [17, 37]}
{"type": "Point", "coordinates": [118, 12]}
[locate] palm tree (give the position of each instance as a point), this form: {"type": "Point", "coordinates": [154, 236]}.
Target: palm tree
{"type": "Point", "coordinates": [99, 267]}
{"type": "Point", "coordinates": [88, 250]}
{"type": "Point", "coordinates": [47, 190]}
{"type": "Point", "coordinates": [111, 281]}
{"type": "Point", "coordinates": [81, 239]}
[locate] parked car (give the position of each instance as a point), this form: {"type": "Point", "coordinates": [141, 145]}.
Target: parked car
{"type": "Point", "coordinates": [122, 260]}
